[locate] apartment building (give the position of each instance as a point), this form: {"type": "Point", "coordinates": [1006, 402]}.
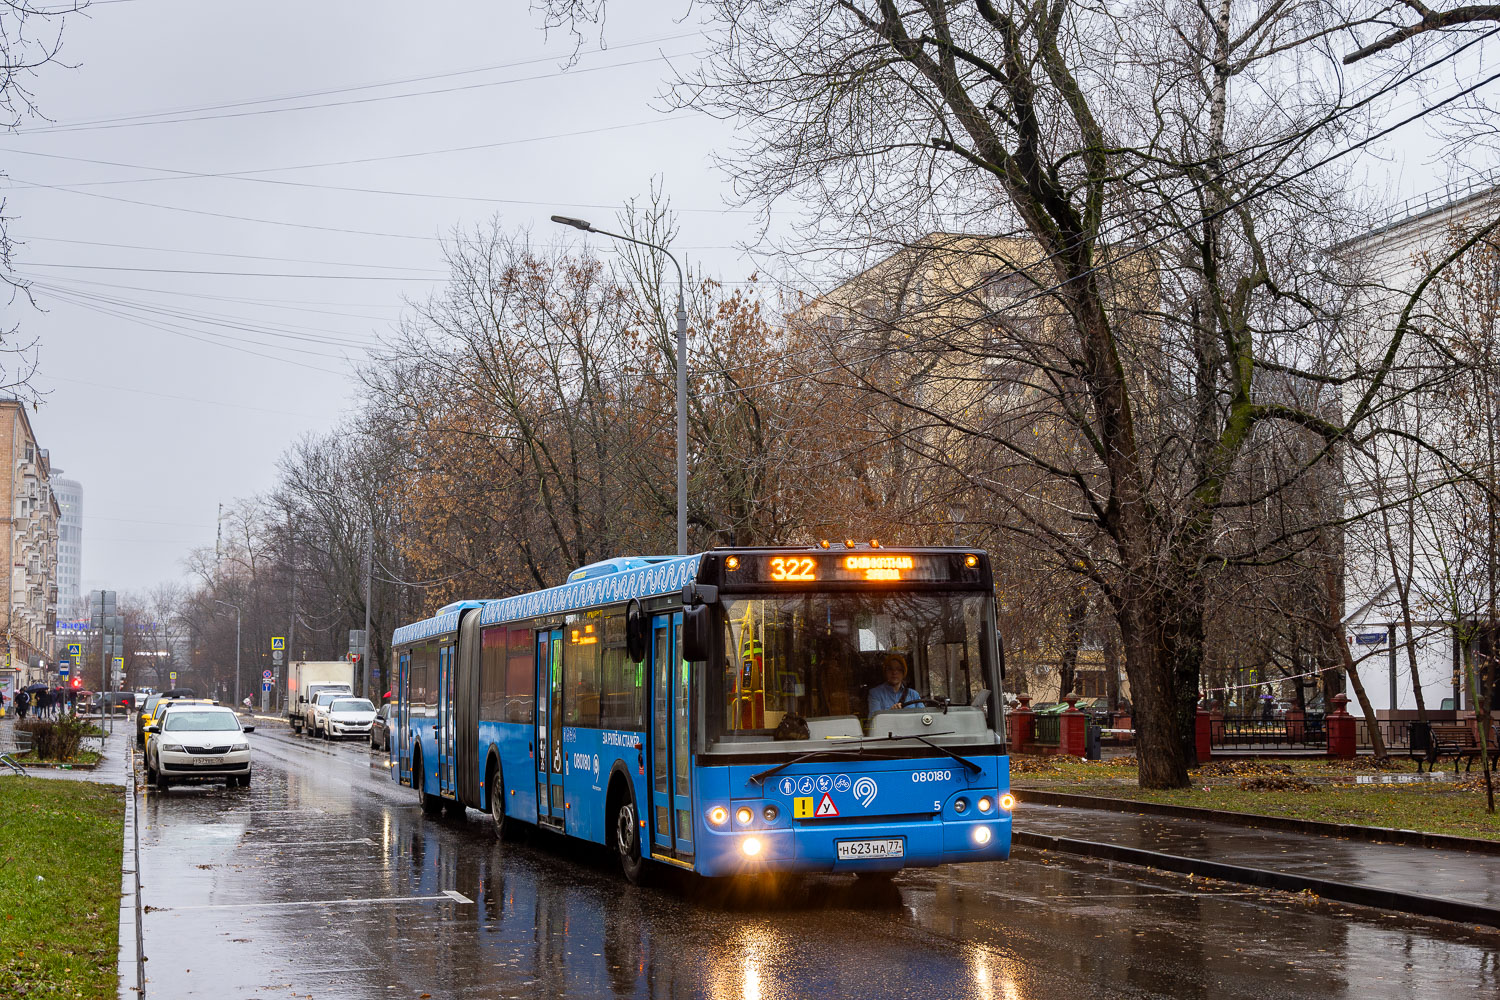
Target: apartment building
{"type": "Point", "coordinates": [70, 600]}
{"type": "Point", "coordinates": [30, 620]}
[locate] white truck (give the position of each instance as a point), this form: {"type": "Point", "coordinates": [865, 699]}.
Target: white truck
{"type": "Point", "coordinates": [305, 678]}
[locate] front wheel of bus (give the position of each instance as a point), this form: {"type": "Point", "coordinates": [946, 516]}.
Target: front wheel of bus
{"type": "Point", "coordinates": [628, 841]}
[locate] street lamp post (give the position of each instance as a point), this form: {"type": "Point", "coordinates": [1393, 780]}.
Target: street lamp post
{"type": "Point", "coordinates": [564, 220]}
{"type": "Point", "coordinates": [236, 608]}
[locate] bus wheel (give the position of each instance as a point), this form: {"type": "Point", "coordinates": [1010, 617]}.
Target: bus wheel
{"type": "Point", "coordinates": [432, 805]}
{"type": "Point", "coordinates": [628, 840]}
{"type": "Point", "coordinates": [497, 802]}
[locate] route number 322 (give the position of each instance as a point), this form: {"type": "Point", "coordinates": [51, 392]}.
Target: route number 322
{"type": "Point", "coordinates": [788, 568]}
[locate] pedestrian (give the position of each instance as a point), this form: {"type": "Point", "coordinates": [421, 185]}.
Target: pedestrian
{"type": "Point", "coordinates": [23, 703]}
{"type": "Point", "coordinates": [43, 703]}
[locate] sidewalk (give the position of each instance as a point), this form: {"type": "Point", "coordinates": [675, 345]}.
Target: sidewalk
{"type": "Point", "coordinates": [1462, 876]}
{"type": "Point", "coordinates": [114, 769]}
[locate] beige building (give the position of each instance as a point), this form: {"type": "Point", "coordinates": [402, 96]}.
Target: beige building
{"type": "Point", "coordinates": [31, 590]}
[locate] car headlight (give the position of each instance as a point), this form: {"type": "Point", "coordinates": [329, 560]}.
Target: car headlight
{"type": "Point", "coordinates": [239, 746]}
{"type": "Point", "coordinates": [173, 747]}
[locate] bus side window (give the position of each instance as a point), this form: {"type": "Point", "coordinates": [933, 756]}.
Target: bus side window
{"type": "Point", "coordinates": [622, 698]}
{"type": "Point", "coordinates": [492, 675]}
{"type": "Point", "coordinates": [520, 675]}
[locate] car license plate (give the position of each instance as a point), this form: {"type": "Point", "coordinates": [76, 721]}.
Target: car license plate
{"type": "Point", "coordinates": [200, 761]}
{"type": "Point", "coordinates": [858, 850]}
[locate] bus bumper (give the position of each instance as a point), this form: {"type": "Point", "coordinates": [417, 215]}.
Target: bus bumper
{"type": "Point", "coordinates": [815, 847]}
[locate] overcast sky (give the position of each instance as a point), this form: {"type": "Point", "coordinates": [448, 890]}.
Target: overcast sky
{"type": "Point", "coordinates": [196, 325]}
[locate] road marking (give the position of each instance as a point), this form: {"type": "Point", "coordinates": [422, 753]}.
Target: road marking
{"type": "Point", "coordinates": [457, 897]}
{"type": "Point", "coordinates": [448, 896]}
{"type": "Point", "coordinates": [253, 842]}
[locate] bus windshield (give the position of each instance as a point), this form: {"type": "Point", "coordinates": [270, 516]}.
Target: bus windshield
{"type": "Point", "coordinates": [844, 657]}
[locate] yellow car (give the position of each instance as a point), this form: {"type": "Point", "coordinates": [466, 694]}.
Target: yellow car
{"type": "Point", "coordinates": [150, 713]}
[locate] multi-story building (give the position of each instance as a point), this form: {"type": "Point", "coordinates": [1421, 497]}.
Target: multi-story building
{"type": "Point", "coordinates": [30, 609]}
{"type": "Point", "coordinates": [70, 600]}
{"type": "Point", "coordinates": [1419, 564]}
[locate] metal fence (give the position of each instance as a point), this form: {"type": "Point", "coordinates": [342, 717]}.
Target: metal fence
{"type": "Point", "coordinates": [1049, 730]}
{"type": "Point", "coordinates": [1258, 733]}
{"type": "Point", "coordinates": [1397, 734]}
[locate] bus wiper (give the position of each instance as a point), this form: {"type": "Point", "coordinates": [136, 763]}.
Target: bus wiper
{"type": "Point", "coordinates": [966, 762]}
{"type": "Point", "coordinates": [763, 775]}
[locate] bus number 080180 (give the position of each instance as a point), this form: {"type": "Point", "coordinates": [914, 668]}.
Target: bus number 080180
{"type": "Point", "coordinates": [790, 568]}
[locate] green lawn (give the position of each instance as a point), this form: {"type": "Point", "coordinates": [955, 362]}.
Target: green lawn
{"type": "Point", "coordinates": [1314, 789]}
{"type": "Point", "coordinates": [60, 848]}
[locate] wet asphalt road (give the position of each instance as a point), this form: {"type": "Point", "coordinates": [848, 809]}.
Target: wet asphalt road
{"type": "Point", "coordinates": [324, 880]}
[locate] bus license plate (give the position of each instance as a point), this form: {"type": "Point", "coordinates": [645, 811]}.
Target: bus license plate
{"type": "Point", "coordinates": [858, 850]}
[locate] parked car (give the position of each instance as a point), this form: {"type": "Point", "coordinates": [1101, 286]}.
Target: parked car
{"type": "Point", "coordinates": [317, 710]}
{"type": "Point", "coordinates": [380, 729]}
{"type": "Point", "coordinates": [198, 742]}
{"type": "Point", "coordinates": [348, 717]}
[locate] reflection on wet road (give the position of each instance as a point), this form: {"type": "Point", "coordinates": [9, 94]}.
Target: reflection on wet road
{"type": "Point", "coordinates": [324, 880]}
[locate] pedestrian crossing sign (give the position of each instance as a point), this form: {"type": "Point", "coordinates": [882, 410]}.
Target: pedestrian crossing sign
{"type": "Point", "coordinates": [75, 649]}
{"type": "Point", "coordinates": [278, 642]}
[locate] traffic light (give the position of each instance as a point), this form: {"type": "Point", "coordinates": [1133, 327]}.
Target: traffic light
{"type": "Point", "coordinates": [77, 683]}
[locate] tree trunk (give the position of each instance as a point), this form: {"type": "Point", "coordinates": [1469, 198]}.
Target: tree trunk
{"type": "Point", "coordinates": [1159, 744]}
{"type": "Point", "coordinates": [1112, 671]}
{"type": "Point", "coordinates": [1377, 741]}
{"type": "Point", "coordinates": [1481, 702]}
{"type": "Point", "coordinates": [1072, 639]}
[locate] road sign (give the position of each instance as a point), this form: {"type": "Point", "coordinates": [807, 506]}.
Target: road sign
{"type": "Point", "coordinates": [276, 656]}
{"type": "Point", "coordinates": [172, 675]}
{"type": "Point", "coordinates": [265, 685]}
{"type": "Point", "coordinates": [62, 670]}
{"type": "Point", "coordinates": [278, 642]}
{"type": "Point", "coordinates": [75, 649]}
{"type": "Point", "coordinates": [265, 675]}
{"type": "Point", "coordinates": [119, 663]}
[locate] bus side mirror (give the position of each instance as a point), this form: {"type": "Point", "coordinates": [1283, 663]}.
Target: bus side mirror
{"type": "Point", "coordinates": [636, 626]}
{"type": "Point", "coordinates": [697, 632]}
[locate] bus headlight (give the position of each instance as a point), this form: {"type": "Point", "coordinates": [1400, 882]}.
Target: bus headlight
{"type": "Point", "coordinates": [743, 816]}
{"type": "Point", "coordinates": [985, 805]}
{"type": "Point", "coordinates": [718, 815]}
{"type": "Point", "coordinates": [1007, 802]}
{"type": "Point", "coordinates": [751, 846]}
{"type": "Point", "coordinates": [982, 835]}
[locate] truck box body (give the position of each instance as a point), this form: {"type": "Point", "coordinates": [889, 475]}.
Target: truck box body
{"type": "Point", "coordinates": [305, 678]}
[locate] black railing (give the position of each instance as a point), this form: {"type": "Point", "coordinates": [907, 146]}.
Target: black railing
{"type": "Point", "coordinates": [1397, 734]}
{"type": "Point", "coordinates": [1259, 733]}
{"type": "Point", "coordinates": [1049, 730]}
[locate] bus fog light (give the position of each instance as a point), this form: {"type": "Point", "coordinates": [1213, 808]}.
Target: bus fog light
{"type": "Point", "coordinates": [743, 816]}
{"type": "Point", "coordinates": [751, 846]}
{"type": "Point", "coordinates": [1007, 802]}
{"type": "Point", "coordinates": [982, 835]}
{"type": "Point", "coordinates": [718, 815]}
{"type": "Point", "coordinates": [985, 805]}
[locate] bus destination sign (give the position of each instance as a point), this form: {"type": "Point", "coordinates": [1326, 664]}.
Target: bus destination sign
{"type": "Point", "coordinates": [847, 567]}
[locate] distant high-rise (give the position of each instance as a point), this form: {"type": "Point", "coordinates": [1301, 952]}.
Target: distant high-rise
{"type": "Point", "coordinates": [70, 601]}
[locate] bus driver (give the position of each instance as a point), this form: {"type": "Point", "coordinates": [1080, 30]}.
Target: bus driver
{"type": "Point", "coordinates": [893, 693]}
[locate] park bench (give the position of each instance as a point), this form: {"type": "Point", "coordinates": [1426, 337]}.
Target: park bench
{"type": "Point", "coordinates": [1445, 739]}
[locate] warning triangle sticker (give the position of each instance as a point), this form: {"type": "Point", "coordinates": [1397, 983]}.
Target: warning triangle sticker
{"type": "Point", "coordinates": [826, 807]}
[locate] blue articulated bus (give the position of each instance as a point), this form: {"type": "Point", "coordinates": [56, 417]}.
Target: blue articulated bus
{"type": "Point", "coordinates": [821, 709]}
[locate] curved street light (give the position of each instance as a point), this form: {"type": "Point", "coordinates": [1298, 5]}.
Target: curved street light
{"type": "Point", "coordinates": [563, 220]}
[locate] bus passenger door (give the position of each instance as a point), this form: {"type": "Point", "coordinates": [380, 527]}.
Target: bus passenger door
{"type": "Point", "coordinates": [403, 719]}
{"type": "Point", "coordinates": [445, 726]}
{"type": "Point", "coordinates": [549, 753]}
{"type": "Point", "coordinates": [671, 756]}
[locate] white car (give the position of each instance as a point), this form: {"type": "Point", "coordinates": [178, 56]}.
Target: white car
{"type": "Point", "coordinates": [348, 717]}
{"type": "Point", "coordinates": [196, 742]}
{"type": "Point", "coordinates": [317, 711]}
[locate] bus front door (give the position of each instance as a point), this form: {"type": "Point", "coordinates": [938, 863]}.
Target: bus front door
{"type": "Point", "coordinates": [445, 726]}
{"type": "Point", "coordinates": [549, 750]}
{"type": "Point", "coordinates": [671, 749]}
{"type": "Point", "coordinates": [403, 719]}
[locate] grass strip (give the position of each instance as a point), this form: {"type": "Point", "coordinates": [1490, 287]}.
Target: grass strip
{"type": "Point", "coordinates": [60, 862]}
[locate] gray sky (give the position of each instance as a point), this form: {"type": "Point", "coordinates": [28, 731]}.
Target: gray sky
{"type": "Point", "coordinates": [169, 391]}
{"type": "Point", "coordinates": [160, 426]}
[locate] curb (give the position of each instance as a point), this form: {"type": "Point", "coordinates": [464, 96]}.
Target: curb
{"type": "Point", "coordinates": [1343, 892]}
{"type": "Point", "coordinates": [1346, 831]}
{"type": "Point", "coordinates": [132, 945]}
